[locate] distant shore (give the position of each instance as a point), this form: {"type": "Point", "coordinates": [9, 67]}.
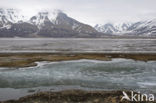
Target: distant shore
{"type": "Point", "coordinates": [29, 59]}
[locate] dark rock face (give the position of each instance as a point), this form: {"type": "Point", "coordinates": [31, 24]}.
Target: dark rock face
{"type": "Point", "coordinates": [56, 32]}
{"type": "Point", "coordinates": [23, 29]}
{"type": "Point", "coordinates": [19, 30]}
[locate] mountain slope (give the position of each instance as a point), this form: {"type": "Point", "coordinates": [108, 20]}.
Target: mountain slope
{"type": "Point", "coordinates": [115, 29]}
{"type": "Point", "coordinates": [9, 16]}
{"type": "Point", "coordinates": [44, 24]}
{"type": "Point", "coordinates": [141, 28]}
{"type": "Point", "coordinates": [146, 28]}
{"type": "Point", "coordinates": [59, 24]}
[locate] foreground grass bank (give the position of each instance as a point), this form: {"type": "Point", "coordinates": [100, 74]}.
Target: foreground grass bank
{"type": "Point", "coordinates": [75, 96]}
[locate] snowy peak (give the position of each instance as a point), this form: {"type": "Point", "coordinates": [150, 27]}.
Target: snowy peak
{"type": "Point", "coordinates": [64, 20]}
{"type": "Point", "coordinates": [59, 19]}
{"type": "Point", "coordinates": [45, 16]}
{"type": "Point", "coordinates": [122, 26]}
{"type": "Point", "coordinates": [39, 19]}
{"type": "Point", "coordinates": [144, 28]}
{"type": "Point", "coordinates": [111, 28]}
{"type": "Point", "coordinates": [106, 28]}
{"type": "Point", "coordinates": [10, 15]}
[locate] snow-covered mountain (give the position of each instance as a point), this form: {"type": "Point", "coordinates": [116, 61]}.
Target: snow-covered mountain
{"type": "Point", "coordinates": [146, 28]}
{"type": "Point", "coordinates": [60, 20]}
{"type": "Point", "coordinates": [58, 24]}
{"type": "Point", "coordinates": [44, 16]}
{"type": "Point", "coordinates": [9, 16]}
{"type": "Point", "coordinates": [113, 28]}
{"type": "Point", "coordinates": [141, 28]}
{"type": "Point", "coordinates": [45, 24]}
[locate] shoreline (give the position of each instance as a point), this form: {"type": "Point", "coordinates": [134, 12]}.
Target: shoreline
{"type": "Point", "coordinates": [69, 96]}
{"type": "Point", "coordinates": [75, 96]}
{"type": "Point", "coordinates": [29, 59]}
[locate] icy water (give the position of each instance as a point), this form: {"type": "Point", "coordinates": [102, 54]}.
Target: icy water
{"type": "Point", "coordinates": [103, 45]}
{"type": "Point", "coordinates": [118, 74]}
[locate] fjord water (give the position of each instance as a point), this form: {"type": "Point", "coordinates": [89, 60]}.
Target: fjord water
{"type": "Point", "coordinates": [80, 45]}
{"type": "Point", "coordinates": [118, 74]}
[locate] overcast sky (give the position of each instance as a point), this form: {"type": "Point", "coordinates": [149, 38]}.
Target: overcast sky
{"type": "Point", "coordinates": [90, 11]}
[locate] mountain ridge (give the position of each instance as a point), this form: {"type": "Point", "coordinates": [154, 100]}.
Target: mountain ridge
{"type": "Point", "coordinates": [44, 24]}
{"type": "Point", "coordinates": [140, 28]}
{"type": "Point", "coordinates": [58, 24]}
